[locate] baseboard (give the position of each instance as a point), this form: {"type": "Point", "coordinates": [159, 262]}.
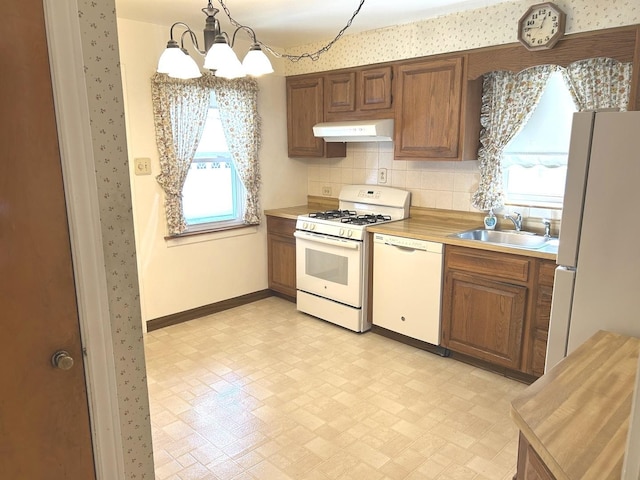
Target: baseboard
{"type": "Point", "coordinates": [506, 372]}
{"type": "Point", "coordinates": [176, 318]}
{"type": "Point", "coordinates": [443, 352]}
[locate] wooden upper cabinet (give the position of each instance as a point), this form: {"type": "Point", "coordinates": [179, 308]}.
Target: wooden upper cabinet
{"type": "Point", "coordinates": [428, 111]}
{"type": "Point", "coordinates": [362, 93]}
{"type": "Point", "coordinates": [305, 108]}
{"type": "Point", "coordinates": [341, 92]}
{"type": "Point", "coordinates": [375, 88]}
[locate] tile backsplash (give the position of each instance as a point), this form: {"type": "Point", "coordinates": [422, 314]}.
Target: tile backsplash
{"type": "Point", "coordinates": [446, 185]}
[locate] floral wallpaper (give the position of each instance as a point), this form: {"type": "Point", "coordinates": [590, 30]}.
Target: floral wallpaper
{"type": "Point", "coordinates": [441, 185]}
{"type": "Point", "coordinates": [104, 87]}
{"type": "Point", "coordinates": [482, 27]}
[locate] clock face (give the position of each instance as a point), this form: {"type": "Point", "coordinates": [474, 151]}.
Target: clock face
{"type": "Point", "coordinates": [542, 26]}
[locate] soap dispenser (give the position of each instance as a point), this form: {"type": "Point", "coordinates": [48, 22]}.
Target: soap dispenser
{"type": "Point", "coordinates": [490, 220]}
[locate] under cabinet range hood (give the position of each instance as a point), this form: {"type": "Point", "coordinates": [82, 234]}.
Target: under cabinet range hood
{"type": "Point", "coordinates": [355, 131]}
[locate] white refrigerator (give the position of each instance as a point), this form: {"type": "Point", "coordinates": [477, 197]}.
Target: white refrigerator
{"type": "Point", "coordinates": [597, 282]}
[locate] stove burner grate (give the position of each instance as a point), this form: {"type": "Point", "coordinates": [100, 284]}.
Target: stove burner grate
{"type": "Point", "coordinates": [332, 214]}
{"type": "Point", "coordinates": [366, 219]}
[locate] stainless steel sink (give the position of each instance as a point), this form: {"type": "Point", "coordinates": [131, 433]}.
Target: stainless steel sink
{"type": "Point", "coordinates": [510, 238]}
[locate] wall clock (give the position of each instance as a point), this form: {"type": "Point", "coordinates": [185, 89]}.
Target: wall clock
{"type": "Point", "coordinates": [541, 26]}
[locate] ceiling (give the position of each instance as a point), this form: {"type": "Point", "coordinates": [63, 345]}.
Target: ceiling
{"type": "Point", "coordinates": [288, 23]}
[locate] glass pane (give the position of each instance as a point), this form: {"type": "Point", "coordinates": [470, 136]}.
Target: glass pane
{"type": "Point", "coordinates": [537, 184]}
{"type": "Point", "coordinates": [208, 192]}
{"type": "Point", "coordinates": [211, 190]}
{"type": "Point", "coordinates": [534, 162]}
{"type": "Point", "coordinates": [327, 266]}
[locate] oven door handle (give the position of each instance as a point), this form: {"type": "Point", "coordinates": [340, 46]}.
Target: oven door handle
{"type": "Point", "coordinates": [313, 237]}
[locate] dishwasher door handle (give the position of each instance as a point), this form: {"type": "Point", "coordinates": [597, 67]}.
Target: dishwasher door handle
{"type": "Point", "coordinates": [403, 248]}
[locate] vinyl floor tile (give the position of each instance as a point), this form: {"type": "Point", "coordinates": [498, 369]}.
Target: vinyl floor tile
{"type": "Point", "coordinates": [264, 392]}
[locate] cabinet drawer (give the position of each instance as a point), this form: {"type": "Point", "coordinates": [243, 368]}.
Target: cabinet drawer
{"type": "Point", "coordinates": [496, 265]}
{"type": "Point", "coordinates": [281, 226]}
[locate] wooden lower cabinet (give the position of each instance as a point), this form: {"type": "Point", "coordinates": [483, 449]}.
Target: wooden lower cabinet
{"type": "Point", "coordinates": [281, 251]}
{"type": "Point", "coordinates": [485, 318]}
{"type": "Point", "coordinates": [530, 465]}
{"type": "Point", "coordinates": [540, 318]}
{"type": "Point", "coordinates": [494, 309]}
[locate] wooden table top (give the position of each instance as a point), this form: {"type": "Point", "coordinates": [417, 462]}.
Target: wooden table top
{"type": "Point", "coordinates": [576, 416]}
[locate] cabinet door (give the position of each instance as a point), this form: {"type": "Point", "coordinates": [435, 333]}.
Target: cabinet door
{"type": "Point", "coordinates": [541, 316]}
{"type": "Point", "coordinates": [281, 251]}
{"type": "Point", "coordinates": [304, 110]}
{"type": "Point", "coordinates": [374, 88]}
{"type": "Point", "coordinates": [484, 318]}
{"type": "Point", "coordinates": [341, 92]}
{"type": "Point", "coordinates": [428, 109]}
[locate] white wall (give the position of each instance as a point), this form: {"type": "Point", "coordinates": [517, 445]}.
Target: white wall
{"type": "Point", "coordinates": [181, 274]}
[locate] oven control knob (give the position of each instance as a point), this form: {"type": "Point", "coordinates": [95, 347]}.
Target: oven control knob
{"type": "Point", "coordinates": [341, 232]}
{"type": "Point", "coordinates": [350, 233]}
{"type": "Point", "coordinates": [312, 226]}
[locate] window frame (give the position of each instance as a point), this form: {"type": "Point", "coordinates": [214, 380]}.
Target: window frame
{"type": "Point", "coordinates": [227, 222]}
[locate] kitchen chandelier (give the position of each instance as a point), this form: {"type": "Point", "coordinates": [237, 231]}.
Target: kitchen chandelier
{"type": "Point", "coordinates": [218, 54]}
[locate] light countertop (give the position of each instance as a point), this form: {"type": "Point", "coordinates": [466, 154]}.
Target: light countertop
{"type": "Point", "coordinates": [434, 227]}
{"type": "Point", "coordinates": [576, 416]}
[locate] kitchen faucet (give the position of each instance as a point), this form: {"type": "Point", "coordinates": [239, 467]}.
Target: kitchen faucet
{"type": "Point", "coordinates": [517, 221]}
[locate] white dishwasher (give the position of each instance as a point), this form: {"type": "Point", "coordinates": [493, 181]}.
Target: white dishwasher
{"type": "Point", "coordinates": [407, 284]}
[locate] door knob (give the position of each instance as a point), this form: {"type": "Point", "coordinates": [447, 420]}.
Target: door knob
{"type": "Point", "coordinates": [62, 360]}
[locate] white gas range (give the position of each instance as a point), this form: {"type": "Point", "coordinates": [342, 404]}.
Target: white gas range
{"type": "Point", "coordinates": [332, 253]}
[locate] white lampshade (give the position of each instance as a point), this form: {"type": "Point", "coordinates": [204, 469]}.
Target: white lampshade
{"type": "Point", "coordinates": [220, 55]}
{"type": "Point", "coordinates": [186, 68]}
{"type": "Point", "coordinates": [256, 63]}
{"type": "Point", "coordinates": [231, 70]}
{"type": "Point", "coordinates": [171, 57]}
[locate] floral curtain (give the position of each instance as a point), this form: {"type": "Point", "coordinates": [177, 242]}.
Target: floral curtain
{"type": "Point", "coordinates": [508, 99]}
{"type": "Point", "coordinates": [238, 105]}
{"type": "Point", "coordinates": [597, 83]}
{"type": "Point", "coordinates": [180, 109]}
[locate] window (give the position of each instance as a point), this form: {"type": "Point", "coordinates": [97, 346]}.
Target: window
{"type": "Point", "coordinates": [213, 195]}
{"type": "Point", "coordinates": [535, 161]}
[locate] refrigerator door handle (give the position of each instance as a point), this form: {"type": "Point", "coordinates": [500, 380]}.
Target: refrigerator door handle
{"type": "Point", "coordinates": [560, 320]}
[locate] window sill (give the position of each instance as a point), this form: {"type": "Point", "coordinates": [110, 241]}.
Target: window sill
{"type": "Point", "coordinates": [209, 234]}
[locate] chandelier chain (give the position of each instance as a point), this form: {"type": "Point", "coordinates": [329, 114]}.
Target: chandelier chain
{"type": "Point", "coordinates": [295, 58]}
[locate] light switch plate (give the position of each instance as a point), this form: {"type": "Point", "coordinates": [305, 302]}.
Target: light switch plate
{"type": "Point", "coordinates": [142, 166]}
